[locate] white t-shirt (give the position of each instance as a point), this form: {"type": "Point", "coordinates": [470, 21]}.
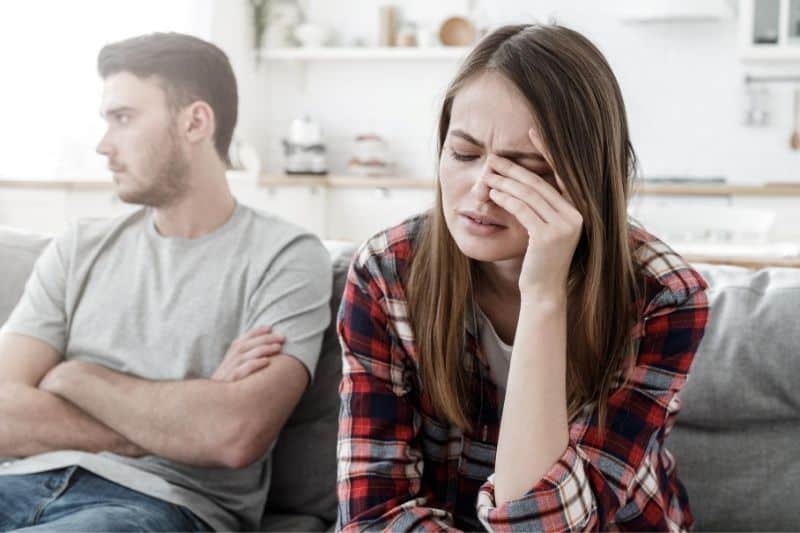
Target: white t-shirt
{"type": "Point", "coordinates": [497, 352]}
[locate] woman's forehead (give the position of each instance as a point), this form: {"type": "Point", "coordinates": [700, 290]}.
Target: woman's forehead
{"type": "Point", "coordinates": [492, 110]}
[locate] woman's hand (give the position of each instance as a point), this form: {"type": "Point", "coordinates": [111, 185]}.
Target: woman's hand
{"type": "Point", "coordinates": [554, 225]}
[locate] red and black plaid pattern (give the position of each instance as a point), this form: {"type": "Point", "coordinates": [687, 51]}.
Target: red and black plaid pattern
{"type": "Point", "coordinates": [402, 468]}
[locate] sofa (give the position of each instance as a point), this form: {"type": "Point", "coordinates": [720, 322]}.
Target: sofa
{"type": "Point", "coordinates": [736, 440]}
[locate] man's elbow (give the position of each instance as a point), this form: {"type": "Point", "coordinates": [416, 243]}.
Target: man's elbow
{"type": "Point", "coordinates": [254, 428]}
{"type": "Point", "coordinates": [244, 448]}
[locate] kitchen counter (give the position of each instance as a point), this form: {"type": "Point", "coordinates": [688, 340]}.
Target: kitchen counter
{"type": "Point", "coordinates": [71, 184]}
{"type": "Point", "coordinates": [746, 262]}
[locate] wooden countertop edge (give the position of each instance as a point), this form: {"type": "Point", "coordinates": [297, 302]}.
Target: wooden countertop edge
{"type": "Point", "coordinates": [753, 263]}
{"type": "Point", "coordinates": [390, 182]}
{"type": "Point", "coordinates": [70, 185]}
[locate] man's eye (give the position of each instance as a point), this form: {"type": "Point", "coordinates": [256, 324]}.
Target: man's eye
{"type": "Point", "coordinates": [462, 157]}
{"type": "Point", "coordinates": [123, 118]}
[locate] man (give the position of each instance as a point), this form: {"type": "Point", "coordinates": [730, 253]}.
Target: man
{"type": "Point", "coordinates": [153, 358]}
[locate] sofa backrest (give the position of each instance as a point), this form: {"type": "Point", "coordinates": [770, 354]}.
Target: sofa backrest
{"type": "Point", "coordinates": [736, 438]}
{"type": "Point", "coordinates": [18, 253]}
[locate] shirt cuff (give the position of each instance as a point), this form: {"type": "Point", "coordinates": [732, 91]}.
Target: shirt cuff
{"type": "Point", "coordinates": [561, 501]}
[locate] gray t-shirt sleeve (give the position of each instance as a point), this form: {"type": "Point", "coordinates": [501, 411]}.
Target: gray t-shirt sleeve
{"type": "Point", "coordinates": [294, 298]}
{"type": "Point", "coordinates": [41, 311]}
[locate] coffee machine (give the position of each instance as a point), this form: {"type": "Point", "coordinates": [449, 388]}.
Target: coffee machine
{"type": "Point", "coordinates": [304, 149]}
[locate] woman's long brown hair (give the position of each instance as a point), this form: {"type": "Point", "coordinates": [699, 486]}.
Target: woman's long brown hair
{"type": "Point", "coordinates": [580, 115]}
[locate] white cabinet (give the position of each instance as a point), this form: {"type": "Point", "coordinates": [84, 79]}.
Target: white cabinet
{"type": "Point", "coordinates": [351, 211]}
{"type": "Point", "coordinates": [94, 204]}
{"type": "Point", "coordinates": [637, 11]}
{"type": "Point", "coordinates": [50, 208]}
{"type": "Point", "coordinates": [769, 29]}
{"type": "Point", "coordinates": [356, 214]}
{"type": "Point", "coordinates": [301, 205]}
{"type": "Point", "coordinates": [787, 215]}
{"type": "Point", "coordinates": [33, 208]}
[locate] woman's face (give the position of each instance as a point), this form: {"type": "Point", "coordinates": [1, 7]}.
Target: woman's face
{"type": "Point", "coordinates": [489, 116]}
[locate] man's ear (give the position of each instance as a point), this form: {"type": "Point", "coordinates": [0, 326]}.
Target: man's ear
{"type": "Point", "coordinates": [198, 122]}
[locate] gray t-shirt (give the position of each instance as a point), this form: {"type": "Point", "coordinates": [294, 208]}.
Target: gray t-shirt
{"type": "Point", "coordinates": [117, 293]}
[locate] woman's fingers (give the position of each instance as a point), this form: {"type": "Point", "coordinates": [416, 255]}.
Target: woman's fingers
{"type": "Point", "coordinates": [506, 167]}
{"type": "Point", "coordinates": [538, 145]}
{"type": "Point", "coordinates": [526, 216]}
{"type": "Point", "coordinates": [530, 196]}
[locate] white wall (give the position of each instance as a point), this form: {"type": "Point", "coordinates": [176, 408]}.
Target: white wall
{"type": "Point", "coordinates": [49, 101]}
{"type": "Point", "coordinates": [683, 85]}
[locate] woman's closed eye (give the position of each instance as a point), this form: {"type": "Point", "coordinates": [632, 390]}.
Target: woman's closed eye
{"type": "Point", "coordinates": [459, 156]}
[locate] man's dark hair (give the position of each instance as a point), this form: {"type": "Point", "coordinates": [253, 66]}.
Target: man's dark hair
{"type": "Point", "coordinates": [189, 69]}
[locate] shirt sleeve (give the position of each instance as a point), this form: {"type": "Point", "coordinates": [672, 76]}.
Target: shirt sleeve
{"type": "Point", "coordinates": [617, 473]}
{"type": "Point", "coordinates": [294, 299]}
{"type": "Point", "coordinates": [379, 460]}
{"type": "Point", "coordinates": [41, 311]}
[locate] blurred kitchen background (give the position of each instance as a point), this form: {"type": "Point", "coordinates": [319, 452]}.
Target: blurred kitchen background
{"type": "Point", "coordinates": [339, 101]}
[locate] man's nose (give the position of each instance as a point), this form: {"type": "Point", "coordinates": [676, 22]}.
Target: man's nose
{"type": "Point", "coordinates": [104, 147]}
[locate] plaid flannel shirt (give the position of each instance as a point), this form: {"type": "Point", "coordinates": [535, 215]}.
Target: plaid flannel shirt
{"type": "Point", "coordinates": [402, 468]}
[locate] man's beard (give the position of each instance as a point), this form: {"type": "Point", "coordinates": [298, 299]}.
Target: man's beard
{"type": "Point", "coordinates": [166, 177]}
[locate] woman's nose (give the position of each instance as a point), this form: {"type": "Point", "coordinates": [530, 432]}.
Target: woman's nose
{"type": "Point", "coordinates": [480, 189]}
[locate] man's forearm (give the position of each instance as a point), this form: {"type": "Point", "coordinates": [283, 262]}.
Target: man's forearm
{"type": "Point", "coordinates": [184, 421]}
{"type": "Point", "coordinates": [36, 421]}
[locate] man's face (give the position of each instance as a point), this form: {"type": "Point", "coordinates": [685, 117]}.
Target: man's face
{"type": "Point", "coordinates": [142, 144]}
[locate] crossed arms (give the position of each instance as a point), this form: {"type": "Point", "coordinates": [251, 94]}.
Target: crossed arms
{"type": "Point", "coordinates": [229, 420]}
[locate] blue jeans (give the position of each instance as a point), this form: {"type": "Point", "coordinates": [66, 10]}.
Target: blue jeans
{"type": "Point", "coordinates": [74, 499]}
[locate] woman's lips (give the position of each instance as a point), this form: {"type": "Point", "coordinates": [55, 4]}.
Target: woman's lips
{"type": "Point", "coordinates": [476, 227]}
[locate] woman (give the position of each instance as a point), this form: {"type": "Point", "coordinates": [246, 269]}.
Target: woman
{"type": "Point", "coordinates": [512, 359]}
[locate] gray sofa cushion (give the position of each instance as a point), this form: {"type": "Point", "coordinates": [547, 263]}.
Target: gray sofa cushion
{"type": "Point", "coordinates": [18, 253]}
{"type": "Point", "coordinates": [294, 522]}
{"type": "Point", "coordinates": [304, 460]}
{"type": "Point", "coordinates": [736, 438]}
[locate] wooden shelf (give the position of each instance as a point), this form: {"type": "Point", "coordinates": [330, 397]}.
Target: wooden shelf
{"type": "Point", "coordinates": [389, 182]}
{"type": "Point", "coordinates": [292, 181]}
{"type": "Point", "coordinates": [365, 53]}
{"type": "Point", "coordinates": [771, 52]}
{"type": "Point", "coordinates": [339, 181]}
{"type": "Point", "coordinates": [71, 184]}
{"type": "Point", "coordinates": [717, 190]}
{"type": "Point", "coordinates": [399, 182]}
{"type": "Point", "coordinates": [746, 262]}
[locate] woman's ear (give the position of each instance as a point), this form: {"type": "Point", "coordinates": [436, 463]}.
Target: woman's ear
{"type": "Point", "coordinates": [198, 122]}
